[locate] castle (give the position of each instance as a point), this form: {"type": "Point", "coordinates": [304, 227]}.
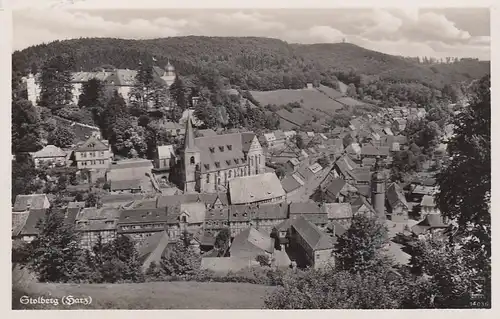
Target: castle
{"type": "Point", "coordinates": [210, 162]}
{"type": "Point", "coordinates": [120, 79]}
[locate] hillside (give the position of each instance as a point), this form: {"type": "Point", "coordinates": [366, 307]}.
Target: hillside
{"type": "Point", "coordinates": [154, 295]}
{"type": "Point", "coordinates": [250, 62]}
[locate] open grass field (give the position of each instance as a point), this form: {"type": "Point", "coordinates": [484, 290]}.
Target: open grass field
{"type": "Point", "coordinates": [153, 295]}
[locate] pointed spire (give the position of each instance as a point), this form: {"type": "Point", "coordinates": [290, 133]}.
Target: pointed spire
{"type": "Point", "coordinates": [189, 139]}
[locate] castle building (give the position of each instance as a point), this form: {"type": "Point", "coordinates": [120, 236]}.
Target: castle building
{"type": "Point", "coordinates": [122, 80]}
{"type": "Point", "coordinates": [378, 189]}
{"type": "Point", "coordinates": [210, 162]}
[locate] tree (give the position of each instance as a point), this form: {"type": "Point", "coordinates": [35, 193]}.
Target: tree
{"type": "Point", "coordinates": [465, 183]}
{"type": "Point", "coordinates": [26, 132]}
{"type": "Point", "coordinates": [179, 92]}
{"type": "Point", "coordinates": [324, 161]}
{"type": "Point", "coordinates": [263, 260]}
{"type": "Point", "coordinates": [94, 96]}
{"type": "Point", "coordinates": [55, 82]}
{"type": "Point", "coordinates": [358, 249]}
{"type": "Point", "coordinates": [115, 108]}
{"type": "Point", "coordinates": [61, 137]}
{"type": "Point", "coordinates": [24, 176]}
{"type": "Point", "coordinates": [207, 113]}
{"type": "Point", "coordinates": [55, 255]}
{"type": "Point", "coordinates": [222, 240]}
{"type": "Point", "coordinates": [181, 260]}
{"type": "Point", "coordinates": [299, 141]}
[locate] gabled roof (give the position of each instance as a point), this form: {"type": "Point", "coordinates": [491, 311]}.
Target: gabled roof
{"type": "Point", "coordinates": [251, 239]}
{"type": "Point", "coordinates": [196, 212]}
{"type": "Point", "coordinates": [18, 222]}
{"type": "Point", "coordinates": [336, 228]}
{"type": "Point", "coordinates": [291, 183]}
{"type": "Point", "coordinates": [335, 186]}
{"type": "Point", "coordinates": [305, 208]}
{"type": "Point", "coordinates": [428, 201]}
{"type": "Point", "coordinates": [35, 215]}
{"type": "Point", "coordinates": [33, 201]}
{"type": "Point", "coordinates": [255, 188]}
{"type": "Point", "coordinates": [431, 221]}
{"type": "Point", "coordinates": [92, 144]}
{"type": "Point", "coordinates": [312, 235]}
{"type": "Point", "coordinates": [49, 151]}
{"type": "Point", "coordinates": [396, 196]}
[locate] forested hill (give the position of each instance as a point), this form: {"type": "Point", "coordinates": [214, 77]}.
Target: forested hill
{"type": "Point", "coordinates": [251, 62]}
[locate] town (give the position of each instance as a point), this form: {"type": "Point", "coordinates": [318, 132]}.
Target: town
{"type": "Point", "coordinates": [220, 189]}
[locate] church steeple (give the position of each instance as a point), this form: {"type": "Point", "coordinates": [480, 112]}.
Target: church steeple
{"type": "Point", "coordinates": [189, 138]}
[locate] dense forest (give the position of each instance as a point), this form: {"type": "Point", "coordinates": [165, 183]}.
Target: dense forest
{"type": "Point", "coordinates": [253, 63]}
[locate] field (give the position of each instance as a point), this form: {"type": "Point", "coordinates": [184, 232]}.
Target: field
{"type": "Point", "coordinates": [153, 295]}
{"type": "Point", "coordinates": [314, 104]}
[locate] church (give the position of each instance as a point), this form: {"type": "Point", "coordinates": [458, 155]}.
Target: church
{"type": "Point", "coordinates": [210, 162]}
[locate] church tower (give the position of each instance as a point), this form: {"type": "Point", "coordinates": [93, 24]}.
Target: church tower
{"type": "Point", "coordinates": [191, 159]}
{"type": "Point", "coordinates": [378, 189]}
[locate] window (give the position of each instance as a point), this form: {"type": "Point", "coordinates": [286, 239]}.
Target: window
{"type": "Point", "coordinates": [93, 162]}
{"type": "Point", "coordinates": [184, 220]}
{"type": "Point", "coordinates": [259, 159]}
{"type": "Point", "coordinates": [207, 166]}
{"type": "Point", "coordinates": [208, 178]}
{"type": "Point", "coordinates": [191, 160]}
{"type": "Point", "coordinates": [212, 149]}
{"type": "Point", "coordinates": [218, 181]}
{"type": "Point", "coordinates": [221, 148]}
{"type": "Point", "coordinates": [229, 174]}
{"type": "Point", "coordinates": [92, 154]}
{"type": "Point", "coordinates": [251, 161]}
{"type": "Point", "coordinates": [217, 164]}
{"type": "Point", "coordinates": [102, 153]}
{"type": "Point", "coordinates": [228, 162]}
{"type": "Point", "coordinates": [229, 147]}
{"type": "Point", "coordinates": [237, 161]}
{"type": "Point", "coordinates": [84, 155]}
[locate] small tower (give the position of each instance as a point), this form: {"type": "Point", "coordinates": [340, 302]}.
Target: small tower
{"type": "Point", "coordinates": [378, 189]}
{"type": "Point", "coordinates": [169, 68]}
{"type": "Point", "coordinates": [190, 158]}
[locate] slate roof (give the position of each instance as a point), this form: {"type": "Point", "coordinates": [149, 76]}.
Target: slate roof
{"type": "Point", "coordinates": [196, 212]}
{"type": "Point", "coordinates": [121, 185]}
{"type": "Point", "coordinates": [147, 215]}
{"type": "Point", "coordinates": [49, 151]}
{"type": "Point", "coordinates": [227, 150]}
{"type": "Point", "coordinates": [428, 201]}
{"type": "Point", "coordinates": [312, 235]}
{"type": "Point", "coordinates": [335, 186]}
{"type": "Point", "coordinates": [251, 242]}
{"type": "Point", "coordinates": [33, 201]}
{"type": "Point", "coordinates": [431, 221]}
{"type": "Point", "coordinates": [395, 195]}
{"type": "Point", "coordinates": [92, 144]}
{"type": "Point", "coordinates": [305, 208]}
{"type": "Point", "coordinates": [369, 150]}
{"type": "Point", "coordinates": [127, 170]}
{"type": "Point", "coordinates": [255, 188]}
{"type": "Point", "coordinates": [35, 215]}
{"type": "Point", "coordinates": [291, 183]}
{"type": "Point", "coordinates": [336, 228]}
{"type": "Point", "coordinates": [18, 222]}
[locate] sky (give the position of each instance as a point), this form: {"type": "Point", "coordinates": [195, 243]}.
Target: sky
{"type": "Point", "coordinates": [457, 32]}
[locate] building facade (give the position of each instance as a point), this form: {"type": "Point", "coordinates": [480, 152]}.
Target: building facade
{"type": "Point", "coordinates": [210, 162]}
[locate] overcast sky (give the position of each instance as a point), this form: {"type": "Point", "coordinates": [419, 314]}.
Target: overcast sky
{"type": "Point", "coordinates": [456, 32]}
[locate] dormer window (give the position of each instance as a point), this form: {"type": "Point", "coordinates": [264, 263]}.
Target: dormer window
{"type": "Point", "coordinates": [228, 162]}
{"type": "Point", "coordinates": [207, 166]}
{"type": "Point", "coordinates": [217, 164]}
{"type": "Point", "coordinates": [91, 145]}
{"type": "Point", "coordinates": [221, 148]}
{"type": "Point", "coordinates": [229, 147]}
{"type": "Point", "coordinates": [236, 160]}
{"type": "Point", "coordinates": [212, 149]}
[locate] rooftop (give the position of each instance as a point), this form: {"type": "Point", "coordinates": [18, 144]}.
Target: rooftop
{"type": "Point", "coordinates": [255, 188]}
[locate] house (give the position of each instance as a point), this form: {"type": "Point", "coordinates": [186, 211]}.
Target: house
{"type": "Point", "coordinates": [361, 206]}
{"type": "Point", "coordinates": [263, 217]}
{"type": "Point", "coordinates": [311, 211]}
{"type": "Point", "coordinates": [251, 243]}
{"type": "Point", "coordinates": [263, 188]}
{"type": "Point", "coordinates": [95, 155]}
{"type": "Point", "coordinates": [94, 223]}
{"type": "Point", "coordinates": [354, 151]}
{"type": "Point", "coordinates": [340, 213]}
{"type": "Point", "coordinates": [315, 245]}
{"type": "Point", "coordinates": [397, 206]}
{"type": "Point", "coordinates": [398, 125]}
{"type": "Point", "coordinates": [29, 230]}
{"type": "Point", "coordinates": [417, 192]}
{"type": "Point", "coordinates": [270, 139]}
{"type": "Point", "coordinates": [336, 190]}
{"type": "Point", "coordinates": [428, 205]}
{"type": "Point", "coordinates": [152, 249]}
{"type": "Point", "coordinates": [291, 184]}
{"type": "Point", "coordinates": [431, 225]}
{"type": "Point", "coordinates": [165, 157]}
{"type": "Point", "coordinates": [292, 164]}
{"type": "Point", "coordinates": [370, 151]}
{"type": "Point", "coordinates": [172, 128]}
{"type": "Point", "coordinates": [25, 203]}
{"type": "Point", "coordinates": [131, 175]}
{"type": "Point", "coordinates": [50, 156]}
{"type": "Point", "coordinates": [280, 139]}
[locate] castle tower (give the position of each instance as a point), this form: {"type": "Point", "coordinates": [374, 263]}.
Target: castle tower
{"type": "Point", "coordinates": [190, 158]}
{"type": "Point", "coordinates": [169, 75]}
{"type": "Point", "coordinates": [378, 189]}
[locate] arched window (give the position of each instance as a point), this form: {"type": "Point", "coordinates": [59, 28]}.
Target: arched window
{"type": "Point", "coordinates": [259, 159]}
{"type": "Point", "coordinates": [208, 178]}
{"type": "Point", "coordinates": [191, 160]}
{"type": "Point", "coordinates": [251, 161]}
